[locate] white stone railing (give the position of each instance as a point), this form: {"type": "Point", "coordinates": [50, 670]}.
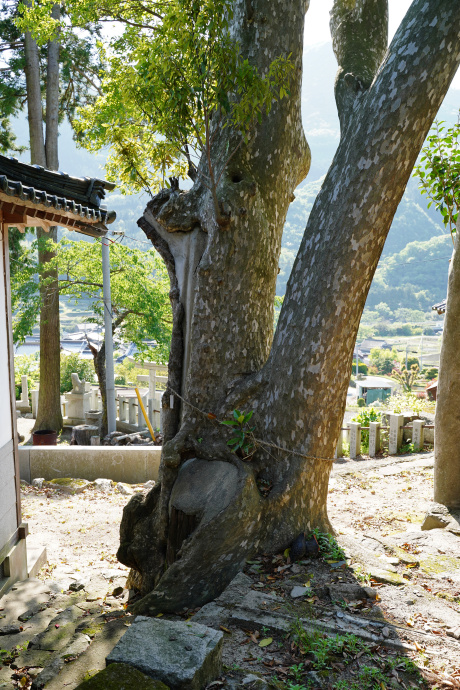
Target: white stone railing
{"type": "Point", "coordinates": [396, 429]}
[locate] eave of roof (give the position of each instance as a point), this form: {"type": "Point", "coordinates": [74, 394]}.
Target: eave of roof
{"type": "Point", "coordinates": [54, 196]}
{"type": "Point", "coordinates": [440, 307]}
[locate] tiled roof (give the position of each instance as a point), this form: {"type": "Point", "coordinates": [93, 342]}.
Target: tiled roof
{"type": "Point", "coordinates": [55, 190]}
{"type": "Point", "coordinates": [440, 307]}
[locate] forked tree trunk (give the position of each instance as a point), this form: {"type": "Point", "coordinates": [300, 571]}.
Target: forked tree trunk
{"type": "Point", "coordinates": [447, 420]}
{"type": "Point", "coordinates": [192, 533]}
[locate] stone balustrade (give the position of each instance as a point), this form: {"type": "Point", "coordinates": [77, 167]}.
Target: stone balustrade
{"type": "Point", "coordinates": [396, 436]}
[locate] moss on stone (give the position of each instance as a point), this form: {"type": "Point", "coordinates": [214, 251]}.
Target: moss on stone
{"type": "Point", "coordinates": [92, 630]}
{"type": "Point", "coordinates": [434, 565]}
{"type": "Point", "coordinates": [69, 485]}
{"type": "Point", "coordinates": [121, 677]}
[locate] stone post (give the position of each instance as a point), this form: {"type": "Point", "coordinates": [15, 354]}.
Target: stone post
{"type": "Point", "coordinates": [374, 438]}
{"type": "Point", "coordinates": [396, 433]}
{"type": "Point", "coordinates": [34, 396]}
{"type": "Point", "coordinates": [418, 432]}
{"type": "Point", "coordinates": [24, 391]}
{"type": "Point", "coordinates": [355, 439]}
{"type": "Point", "coordinates": [132, 417]}
{"type": "Point", "coordinates": [121, 408]}
{"type": "Point", "coordinates": [339, 447]}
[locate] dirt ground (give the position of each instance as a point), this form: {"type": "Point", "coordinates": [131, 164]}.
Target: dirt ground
{"type": "Point", "coordinates": [376, 508]}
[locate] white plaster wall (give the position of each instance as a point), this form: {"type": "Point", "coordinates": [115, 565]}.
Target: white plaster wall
{"type": "Point", "coordinates": [5, 409]}
{"type": "Point", "coordinates": [8, 518]}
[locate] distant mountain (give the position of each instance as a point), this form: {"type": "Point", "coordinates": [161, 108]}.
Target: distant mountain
{"type": "Point", "coordinates": [413, 224]}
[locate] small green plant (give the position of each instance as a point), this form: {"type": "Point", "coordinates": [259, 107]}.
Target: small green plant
{"type": "Point", "coordinates": [324, 648]}
{"type": "Point", "coordinates": [297, 671]}
{"type": "Point", "coordinates": [361, 575]}
{"type": "Point", "coordinates": [328, 546]}
{"type": "Point", "coordinates": [365, 418]}
{"type": "Point", "coordinates": [242, 439]}
{"type": "Point", "coordinates": [361, 402]}
{"type": "Point", "coordinates": [407, 448]}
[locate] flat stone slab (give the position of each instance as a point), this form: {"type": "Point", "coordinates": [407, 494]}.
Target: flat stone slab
{"type": "Point", "coordinates": [68, 485]}
{"type": "Point", "coordinates": [185, 655]}
{"type": "Point", "coordinates": [121, 677]}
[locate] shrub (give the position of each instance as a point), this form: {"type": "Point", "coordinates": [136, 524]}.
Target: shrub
{"type": "Point", "coordinates": [361, 402]}
{"type": "Point", "coordinates": [26, 365]}
{"type": "Point", "coordinates": [73, 364]}
{"type": "Point", "coordinates": [362, 368]}
{"type": "Point", "coordinates": [365, 418]}
{"type": "Point", "coordinates": [126, 373]}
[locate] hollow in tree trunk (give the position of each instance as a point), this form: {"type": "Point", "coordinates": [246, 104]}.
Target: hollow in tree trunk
{"type": "Point", "coordinates": [192, 533]}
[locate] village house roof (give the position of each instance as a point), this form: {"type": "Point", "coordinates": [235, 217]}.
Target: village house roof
{"type": "Point", "coordinates": [370, 343]}
{"type": "Point", "coordinates": [375, 382]}
{"type": "Point", "coordinates": [31, 195]}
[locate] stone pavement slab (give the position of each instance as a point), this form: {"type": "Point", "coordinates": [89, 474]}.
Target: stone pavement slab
{"type": "Point", "coordinates": [93, 659]}
{"type": "Point", "coordinates": [121, 677]}
{"type": "Point", "coordinates": [185, 655]}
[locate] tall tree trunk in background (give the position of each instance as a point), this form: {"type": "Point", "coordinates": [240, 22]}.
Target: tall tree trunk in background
{"type": "Point", "coordinates": [45, 152]}
{"type": "Point", "coordinates": [189, 536]}
{"type": "Point", "coordinates": [447, 420]}
{"type": "Point", "coordinates": [34, 102]}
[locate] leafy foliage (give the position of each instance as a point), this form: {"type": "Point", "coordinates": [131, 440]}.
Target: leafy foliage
{"type": "Point", "coordinates": [175, 79]}
{"type": "Point", "coordinates": [439, 171]}
{"type": "Point", "coordinates": [80, 65]}
{"type": "Point", "coordinates": [328, 547]}
{"type": "Point", "coordinates": [383, 360]}
{"type": "Point", "coordinates": [73, 364]}
{"type": "Point", "coordinates": [139, 287]}
{"type": "Point", "coordinates": [365, 417]}
{"type": "Point", "coordinates": [26, 365]}
{"type": "Point", "coordinates": [406, 377]}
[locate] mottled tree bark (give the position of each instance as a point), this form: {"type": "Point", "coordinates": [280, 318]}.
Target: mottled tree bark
{"type": "Point", "coordinates": [191, 534]}
{"type": "Point", "coordinates": [447, 420]}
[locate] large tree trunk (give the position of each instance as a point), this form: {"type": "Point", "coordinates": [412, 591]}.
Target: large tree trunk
{"type": "Point", "coordinates": [45, 152]}
{"type": "Point", "coordinates": [447, 420]}
{"type": "Point", "coordinates": [193, 532]}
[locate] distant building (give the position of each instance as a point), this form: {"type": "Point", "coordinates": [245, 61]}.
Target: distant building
{"type": "Point", "coordinates": [371, 343]}
{"type": "Point", "coordinates": [31, 196]}
{"type": "Point", "coordinates": [373, 388]}
{"type": "Point", "coordinates": [432, 390]}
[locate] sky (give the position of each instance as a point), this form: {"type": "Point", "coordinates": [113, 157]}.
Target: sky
{"type": "Point", "coordinates": [317, 23]}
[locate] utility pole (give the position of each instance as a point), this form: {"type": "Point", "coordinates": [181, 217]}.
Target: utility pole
{"type": "Point", "coordinates": [110, 380]}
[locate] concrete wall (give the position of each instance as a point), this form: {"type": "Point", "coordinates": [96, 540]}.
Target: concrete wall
{"type": "Point", "coordinates": [132, 465]}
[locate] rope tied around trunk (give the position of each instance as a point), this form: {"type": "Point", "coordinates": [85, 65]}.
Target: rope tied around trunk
{"type": "Point", "coordinates": [257, 441]}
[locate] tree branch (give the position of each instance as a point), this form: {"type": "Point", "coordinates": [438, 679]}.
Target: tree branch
{"type": "Point", "coordinates": [359, 38]}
